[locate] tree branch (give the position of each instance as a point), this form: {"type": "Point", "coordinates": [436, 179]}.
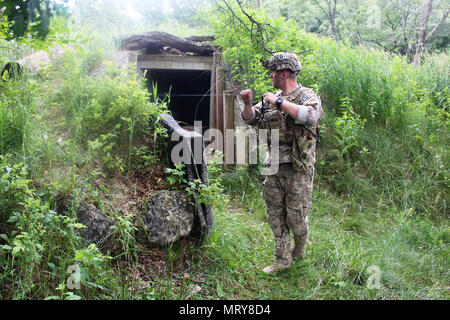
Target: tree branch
{"type": "Point", "coordinates": [429, 35]}
{"type": "Point", "coordinates": [261, 31]}
{"type": "Point", "coordinates": [327, 14]}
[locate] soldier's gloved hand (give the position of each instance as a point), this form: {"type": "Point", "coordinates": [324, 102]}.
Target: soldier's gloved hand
{"type": "Point", "coordinates": [270, 99]}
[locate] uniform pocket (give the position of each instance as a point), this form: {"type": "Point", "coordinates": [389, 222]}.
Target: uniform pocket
{"type": "Point", "coordinates": [303, 153]}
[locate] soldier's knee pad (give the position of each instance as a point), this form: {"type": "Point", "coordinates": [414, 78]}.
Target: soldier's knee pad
{"type": "Point", "coordinates": [297, 224]}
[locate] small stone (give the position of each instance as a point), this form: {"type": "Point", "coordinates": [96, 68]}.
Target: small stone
{"type": "Point", "coordinates": [195, 289]}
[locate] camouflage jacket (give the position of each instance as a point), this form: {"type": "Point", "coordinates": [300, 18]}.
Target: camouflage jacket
{"type": "Point", "coordinates": [295, 135]}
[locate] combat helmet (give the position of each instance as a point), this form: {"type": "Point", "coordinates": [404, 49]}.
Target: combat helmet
{"type": "Point", "coordinates": [283, 61]}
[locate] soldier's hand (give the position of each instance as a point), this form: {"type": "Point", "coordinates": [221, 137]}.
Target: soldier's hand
{"type": "Point", "coordinates": [247, 96]}
{"type": "Point", "coordinates": [270, 99]}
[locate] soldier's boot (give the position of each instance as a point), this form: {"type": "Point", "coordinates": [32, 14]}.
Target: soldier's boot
{"type": "Point", "coordinates": [283, 259]}
{"type": "Point", "coordinates": [299, 246]}
{"type": "Point", "coordinates": [278, 265]}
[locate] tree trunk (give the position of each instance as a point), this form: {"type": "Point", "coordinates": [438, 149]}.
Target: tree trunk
{"type": "Point", "coordinates": [333, 21]}
{"type": "Point", "coordinates": [426, 10]}
{"type": "Point", "coordinates": [330, 14]}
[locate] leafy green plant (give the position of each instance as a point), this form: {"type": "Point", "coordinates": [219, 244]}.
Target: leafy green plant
{"type": "Point", "coordinates": [215, 166]}
{"type": "Point", "coordinates": [90, 274]}
{"type": "Point", "coordinates": [30, 229]}
{"type": "Point", "coordinates": [103, 147]}
{"type": "Point", "coordinates": [144, 158]}
{"type": "Point", "coordinates": [209, 194]}
{"type": "Point", "coordinates": [383, 207]}
{"type": "Point", "coordinates": [17, 104]}
{"type": "Point", "coordinates": [176, 178]}
{"type": "Point", "coordinates": [348, 129]}
{"type": "Point", "coordinates": [109, 114]}
{"type": "Point", "coordinates": [124, 235]}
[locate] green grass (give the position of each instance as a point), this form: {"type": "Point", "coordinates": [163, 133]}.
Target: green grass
{"type": "Point", "coordinates": [345, 240]}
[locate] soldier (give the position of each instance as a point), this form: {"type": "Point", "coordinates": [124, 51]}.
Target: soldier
{"type": "Point", "coordinates": [294, 111]}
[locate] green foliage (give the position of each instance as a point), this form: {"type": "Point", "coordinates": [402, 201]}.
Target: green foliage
{"type": "Point", "coordinates": [108, 114]}
{"type": "Point", "coordinates": [124, 234]}
{"type": "Point", "coordinates": [346, 241]}
{"type": "Point", "coordinates": [143, 158]}
{"type": "Point", "coordinates": [392, 26]}
{"type": "Point", "coordinates": [27, 17]}
{"type": "Point", "coordinates": [380, 186]}
{"type": "Point", "coordinates": [348, 128]}
{"type": "Point", "coordinates": [91, 260]}
{"type": "Point", "coordinates": [14, 190]}
{"type": "Point", "coordinates": [244, 184]}
{"type": "Point", "coordinates": [177, 178]}
{"type": "Point", "coordinates": [31, 231]}
{"type": "Point", "coordinates": [243, 52]}
{"type": "Point", "coordinates": [376, 105]}
{"type": "Point", "coordinates": [208, 194]}
{"type": "Point", "coordinates": [17, 104]}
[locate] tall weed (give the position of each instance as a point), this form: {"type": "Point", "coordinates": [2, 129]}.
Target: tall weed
{"type": "Point", "coordinates": [108, 114]}
{"type": "Point", "coordinates": [17, 105]}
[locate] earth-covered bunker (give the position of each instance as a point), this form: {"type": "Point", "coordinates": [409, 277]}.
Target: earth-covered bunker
{"type": "Point", "coordinates": [191, 75]}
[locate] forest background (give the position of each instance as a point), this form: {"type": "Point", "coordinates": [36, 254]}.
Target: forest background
{"type": "Point", "coordinates": [379, 221]}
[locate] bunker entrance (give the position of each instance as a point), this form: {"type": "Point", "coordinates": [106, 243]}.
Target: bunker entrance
{"type": "Point", "coordinates": [189, 92]}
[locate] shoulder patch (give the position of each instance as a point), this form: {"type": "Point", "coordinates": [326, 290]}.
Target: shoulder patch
{"type": "Point", "coordinates": [306, 98]}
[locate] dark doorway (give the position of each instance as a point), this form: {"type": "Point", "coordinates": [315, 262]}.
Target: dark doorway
{"type": "Point", "coordinates": [189, 93]}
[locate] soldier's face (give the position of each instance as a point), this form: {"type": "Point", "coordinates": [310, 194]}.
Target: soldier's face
{"type": "Point", "coordinates": [277, 78]}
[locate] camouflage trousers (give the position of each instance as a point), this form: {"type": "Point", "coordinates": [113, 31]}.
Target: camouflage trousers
{"type": "Point", "coordinates": [288, 196]}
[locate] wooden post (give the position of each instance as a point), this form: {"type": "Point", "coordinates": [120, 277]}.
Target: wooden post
{"type": "Point", "coordinates": [218, 93]}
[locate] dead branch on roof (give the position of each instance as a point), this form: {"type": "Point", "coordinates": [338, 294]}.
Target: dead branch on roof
{"type": "Point", "coordinates": [157, 42]}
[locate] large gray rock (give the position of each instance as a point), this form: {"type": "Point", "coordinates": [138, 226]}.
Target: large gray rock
{"type": "Point", "coordinates": [169, 216]}
{"type": "Point", "coordinates": [40, 59]}
{"type": "Point", "coordinates": [97, 225]}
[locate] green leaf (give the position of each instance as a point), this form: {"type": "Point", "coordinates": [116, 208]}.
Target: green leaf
{"type": "Point", "coordinates": [72, 296]}
{"type": "Point", "coordinates": [12, 219]}
{"type": "Point", "coordinates": [79, 255]}
{"type": "Point", "coordinates": [16, 250]}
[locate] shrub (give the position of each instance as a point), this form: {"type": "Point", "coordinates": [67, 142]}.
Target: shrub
{"type": "Point", "coordinates": [109, 114]}
{"type": "Point", "coordinates": [31, 232]}
{"type": "Point", "coordinates": [17, 102]}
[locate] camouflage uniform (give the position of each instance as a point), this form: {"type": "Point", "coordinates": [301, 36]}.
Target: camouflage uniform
{"type": "Point", "coordinates": [288, 193]}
